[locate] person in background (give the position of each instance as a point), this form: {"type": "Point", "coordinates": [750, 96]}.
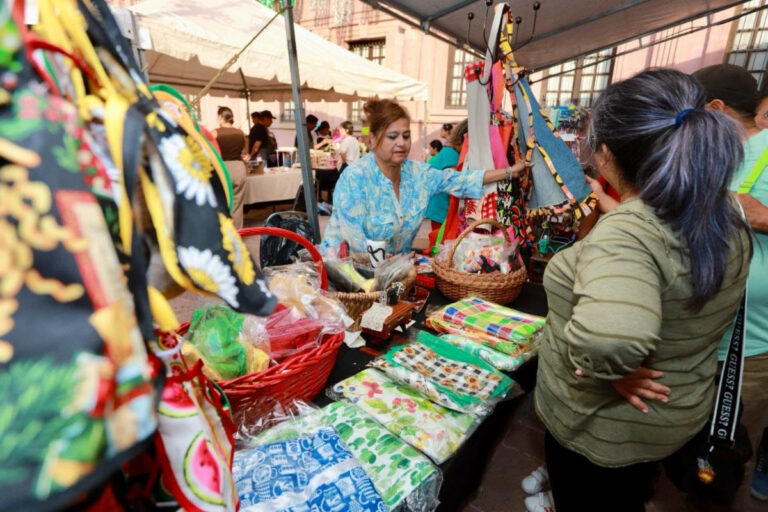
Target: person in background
{"type": "Point", "coordinates": [349, 147]}
{"type": "Point", "coordinates": [655, 284]}
{"type": "Point", "coordinates": [446, 158]}
{"type": "Point", "coordinates": [324, 138]}
{"type": "Point", "coordinates": [384, 195]}
{"type": "Point", "coordinates": [264, 142]}
{"type": "Point", "coordinates": [311, 124]}
{"type": "Point", "coordinates": [233, 144]}
{"type": "Point", "coordinates": [252, 133]}
{"type": "Point", "coordinates": [732, 90]}
{"type": "Point", "coordinates": [761, 118]}
{"type": "Point", "coordinates": [445, 133]}
{"type": "Point", "coordinates": [434, 148]}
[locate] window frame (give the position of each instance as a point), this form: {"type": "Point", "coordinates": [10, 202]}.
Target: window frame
{"type": "Point", "coordinates": [285, 117]}
{"type": "Point", "coordinates": [580, 64]}
{"type": "Point", "coordinates": [750, 49]}
{"type": "Point", "coordinates": [355, 108]}
{"type": "Point", "coordinates": [450, 77]}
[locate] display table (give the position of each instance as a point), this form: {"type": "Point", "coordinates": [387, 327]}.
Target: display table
{"type": "Point", "coordinates": [463, 472]}
{"type": "Point", "coordinates": [275, 185]}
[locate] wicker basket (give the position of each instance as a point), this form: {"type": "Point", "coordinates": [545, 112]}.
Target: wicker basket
{"type": "Point", "coordinates": [497, 287]}
{"type": "Point", "coordinates": [359, 303]}
{"type": "Point", "coordinates": [300, 377]}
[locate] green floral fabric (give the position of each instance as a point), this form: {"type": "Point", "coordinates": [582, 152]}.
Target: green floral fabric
{"type": "Point", "coordinates": [404, 478]}
{"type": "Point", "coordinates": [498, 360]}
{"type": "Point", "coordinates": [431, 428]}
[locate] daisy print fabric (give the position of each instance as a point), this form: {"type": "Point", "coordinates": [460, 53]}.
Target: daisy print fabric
{"type": "Point", "coordinates": [430, 428]}
{"type": "Point", "coordinates": [187, 202]}
{"type": "Point", "coordinates": [447, 375]}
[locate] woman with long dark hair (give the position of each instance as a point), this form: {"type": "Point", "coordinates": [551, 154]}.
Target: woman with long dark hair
{"type": "Point", "coordinates": [654, 285]}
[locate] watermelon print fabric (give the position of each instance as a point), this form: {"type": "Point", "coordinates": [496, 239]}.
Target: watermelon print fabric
{"type": "Point", "coordinates": [405, 479]}
{"type": "Point", "coordinates": [313, 472]}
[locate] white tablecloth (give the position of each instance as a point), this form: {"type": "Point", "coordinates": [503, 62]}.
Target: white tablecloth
{"type": "Point", "coordinates": [276, 184]}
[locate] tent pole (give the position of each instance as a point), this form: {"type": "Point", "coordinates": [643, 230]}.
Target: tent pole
{"type": "Point", "coordinates": [301, 124]}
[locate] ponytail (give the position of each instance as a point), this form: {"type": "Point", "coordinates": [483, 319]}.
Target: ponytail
{"type": "Point", "coordinates": [681, 159]}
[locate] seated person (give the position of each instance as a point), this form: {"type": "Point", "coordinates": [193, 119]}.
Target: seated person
{"type": "Point", "coordinates": [384, 195]}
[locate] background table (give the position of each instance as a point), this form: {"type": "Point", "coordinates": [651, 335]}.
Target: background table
{"type": "Point", "coordinates": [275, 185]}
{"type": "Point", "coordinates": [463, 472]}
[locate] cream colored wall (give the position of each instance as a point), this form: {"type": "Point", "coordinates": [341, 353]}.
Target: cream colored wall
{"type": "Point", "coordinates": [687, 53]}
{"type": "Point", "coordinates": [408, 51]}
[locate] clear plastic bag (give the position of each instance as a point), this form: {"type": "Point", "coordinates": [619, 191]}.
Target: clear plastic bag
{"type": "Point", "coordinates": [296, 287]}
{"type": "Point", "coordinates": [500, 360]}
{"type": "Point", "coordinates": [291, 333]}
{"type": "Point", "coordinates": [483, 254]}
{"type": "Point", "coordinates": [229, 343]}
{"type": "Point", "coordinates": [431, 428]}
{"type": "Point", "coordinates": [447, 375]}
{"type": "Point", "coordinates": [391, 271]}
{"type": "Point", "coordinates": [343, 275]}
{"type": "Point", "coordinates": [405, 479]}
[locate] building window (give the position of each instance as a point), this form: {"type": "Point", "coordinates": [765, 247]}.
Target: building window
{"type": "Point", "coordinates": [749, 48]}
{"type": "Point", "coordinates": [457, 83]}
{"type": "Point", "coordinates": [371, 49]}
{"type": "Point", "coordinates": [356, 111]}
{"type": "Point", "coordinates": [191, 99]}
{"type": "Point", "coordinates": [287, 111]}
{"type": "Point", "coordinates": [578, 81]}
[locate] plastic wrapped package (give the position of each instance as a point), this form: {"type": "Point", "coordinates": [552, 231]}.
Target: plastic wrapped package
{"type": "Point", "coordinates": [312, 472]}
{"type": "Point", "coordinates": [291, 333]}
{"type": "Point", "coordinates": [296, 287]}
{"type": "Point", "coordinates": [431, 428]}
{"type": "Point", "coordinates": [391, 271]}
{"type": "Point", "coordinates": [305, 269]}
{"type": "Point", "coordinates": [343, 275]}
{"type": "Point", "coordinates": [447, 375]}
{"type": "Point", "coordinates": [229, 343]}
{"type": "Point", "coordinates": [501, 328]}
{"type": "Point", "coordinates": [498, 360]}
{"type": "Point", "coordinates": [478, 253]}
{"type": "Point", "coordinates": [406, 480]}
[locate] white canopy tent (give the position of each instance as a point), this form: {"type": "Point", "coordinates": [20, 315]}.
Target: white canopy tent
{"type": "Point", "coordinates": [192, 39]}
{"type": "Point", "coordinates": [559, 30]}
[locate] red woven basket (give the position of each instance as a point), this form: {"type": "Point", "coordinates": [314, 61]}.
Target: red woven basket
{"type": "Point", "coordinates": [300, 377]}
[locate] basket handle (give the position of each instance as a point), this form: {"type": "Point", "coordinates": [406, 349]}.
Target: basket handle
{"type": "Point", "coordinates": [295, 237]}
{"type": "Point", "coordinates": [471, 228]}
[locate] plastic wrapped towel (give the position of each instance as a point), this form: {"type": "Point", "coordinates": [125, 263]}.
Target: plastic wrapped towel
{"type": "Point", "coordinates": [405, 479]}
{"type": "Point", "coordinates": [498, 360]}
{"type": "Point", "coordinates": [504, 329]}
{"type": "Point", "coordinates": [431, 428]}
{"type": "Point", "coordinates": [313, 472]}
{"type": "Point", "coordinates": [447, 375]}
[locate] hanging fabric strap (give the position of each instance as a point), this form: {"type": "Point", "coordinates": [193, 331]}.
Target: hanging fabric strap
{"type": "Point", "coordinates": [754, 174]}
{"type": "Point", "coordinates": [725, 415]}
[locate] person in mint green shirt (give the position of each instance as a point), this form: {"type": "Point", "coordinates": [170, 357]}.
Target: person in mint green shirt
{"type": "Point", "coordinates": [446, 158]}
{"type": "Point", "coordinates": [733, 90]}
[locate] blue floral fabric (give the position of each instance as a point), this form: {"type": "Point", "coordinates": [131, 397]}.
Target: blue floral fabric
{"type": "Point", "coordinates": [312, 473]}
{"type": "Point", "coordinates": [365, 206]}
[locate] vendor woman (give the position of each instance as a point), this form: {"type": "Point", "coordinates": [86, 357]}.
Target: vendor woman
{"type": "Point", "coordinates": [384, 195]}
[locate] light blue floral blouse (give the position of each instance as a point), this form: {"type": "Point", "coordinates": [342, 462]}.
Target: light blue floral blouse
{"type": "Point", "coordinates": [365, 206]}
